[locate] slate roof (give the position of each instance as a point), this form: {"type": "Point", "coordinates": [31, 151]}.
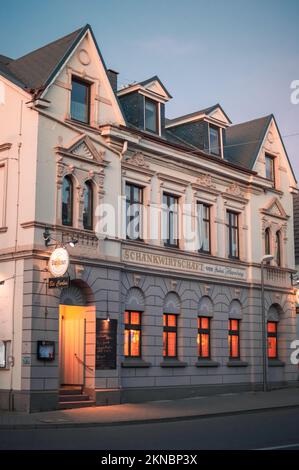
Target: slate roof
{"type": "Point", "coordinates": [200, 111]}
{"type": "Point", "coordinates": [34, 70]}
{"type": "Point", "coordinates": [296, 228]}
{"type": "Point", "coordinates": [243, 141]}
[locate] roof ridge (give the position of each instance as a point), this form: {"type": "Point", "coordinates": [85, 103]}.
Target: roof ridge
{"type": "Point", "coordinates": [252, 120]}
{"type": "Point", "coordinates": [77, 31]}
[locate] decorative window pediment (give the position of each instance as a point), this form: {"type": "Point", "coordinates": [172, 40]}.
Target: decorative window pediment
{"type": "Point", "coordinates": [82, 147]}
{"type": "Point", "coordinates": [275, 209]}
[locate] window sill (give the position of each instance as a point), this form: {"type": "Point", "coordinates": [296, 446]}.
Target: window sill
{"type": "Point", "coordinates": [206, 363]}
{"type": "Point", "coordinates": [275, 363]}
{"type": "Point", "coordinates": [173, 363]}
{"type": "Point", "coordinates": [87, 126]}
{"type": "Point", "coordinates": [135, 363]}
{"type": "Point", "coordinates": [169, 245]}
{"type": "Point", "coordinates": [237, 363]}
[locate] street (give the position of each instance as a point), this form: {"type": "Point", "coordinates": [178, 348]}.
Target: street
{"type": "Point", "coordinates": [275, 430]}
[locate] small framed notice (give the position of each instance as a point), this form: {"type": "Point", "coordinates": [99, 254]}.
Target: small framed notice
{"type": "Point", "coordinates": [45, 350]}
{"type": "Point", "coordinates": [2, 354]}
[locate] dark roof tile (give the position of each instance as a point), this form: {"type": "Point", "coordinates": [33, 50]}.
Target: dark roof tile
{"type": "Point", "coordinates": [35, 68]}
{"type": "Point", "coordinates": [243, 141]}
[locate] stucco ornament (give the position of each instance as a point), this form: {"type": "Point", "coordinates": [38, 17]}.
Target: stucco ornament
{"type": "Point", "coordinates": [205, 180]}
{"type": "Point", "coordinates": [138, 159]}
{"type": "Point", "coordinates": [235, 190]}
{"type": "Point", "coordinates": [270, 137]}
{"type": "Point", "coordinates": [83, 57]}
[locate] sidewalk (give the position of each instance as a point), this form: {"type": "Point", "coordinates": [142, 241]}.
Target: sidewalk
{"type": "Point", "coordinates": [164, 410]}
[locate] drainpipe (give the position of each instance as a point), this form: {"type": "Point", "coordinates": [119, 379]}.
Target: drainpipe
{"type": "Point", "coordinates": [12, 360]}
{"type": "Point", "coordinates": [121, 156]}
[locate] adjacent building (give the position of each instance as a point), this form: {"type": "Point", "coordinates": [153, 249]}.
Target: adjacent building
{"type": "Point", "coordinates": [165, 223]}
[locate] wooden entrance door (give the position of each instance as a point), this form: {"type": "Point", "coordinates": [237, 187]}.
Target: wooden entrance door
{"type": "Point", "coordinates": [72, 344]}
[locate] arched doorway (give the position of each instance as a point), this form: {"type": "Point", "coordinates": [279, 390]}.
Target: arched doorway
{"type": "Point", "coordinates": [76, 336]}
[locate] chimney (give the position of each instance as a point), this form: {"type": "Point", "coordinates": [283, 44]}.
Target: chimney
{"type": "Point", "coordinates": [112, 75]}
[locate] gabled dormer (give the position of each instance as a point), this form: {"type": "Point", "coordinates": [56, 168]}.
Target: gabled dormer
{"type": "Point", "coordinates": [143, 104]}
{"type": "Point", "coordinates": [202, 129]}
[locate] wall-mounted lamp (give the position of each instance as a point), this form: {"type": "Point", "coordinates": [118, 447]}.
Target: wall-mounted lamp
{"type": "Point", "coordinates": [73, 242]}
{"type": "Point", "coordinates": [48, 238]}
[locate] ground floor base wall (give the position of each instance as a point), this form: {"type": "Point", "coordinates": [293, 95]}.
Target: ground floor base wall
{"type": "Point", "coordinates": [35, 401]}
{"type": "Point", "coordinates": [28, 401]}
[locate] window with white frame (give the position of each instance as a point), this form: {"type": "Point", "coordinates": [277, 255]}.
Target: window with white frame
{"type": "Point", "coordinates": [204, 227]}
{"type": "Point", "coordinates": [170, 220]}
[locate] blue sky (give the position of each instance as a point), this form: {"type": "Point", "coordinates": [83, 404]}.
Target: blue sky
{"type": "Point", "coordinates": [243, 54]}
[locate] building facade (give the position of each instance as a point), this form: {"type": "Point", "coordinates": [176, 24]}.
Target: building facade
{"type": "Point", "coordinates": [165, 222]}
{"type": "Point", "coordinates": [296, 235]}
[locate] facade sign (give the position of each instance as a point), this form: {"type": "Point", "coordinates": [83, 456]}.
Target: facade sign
{"type": "Point", "coordinates": [59, 262]}
{"type": "Point", "coordinates": [54, 282]}
{"type": "Point", "coordinates": [182, 264]}
{"type": "Point", "coordinates": [106, 342]}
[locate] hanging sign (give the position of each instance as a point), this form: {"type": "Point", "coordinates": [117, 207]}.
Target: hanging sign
{"type": "Point", "coordinates": [59, 262]}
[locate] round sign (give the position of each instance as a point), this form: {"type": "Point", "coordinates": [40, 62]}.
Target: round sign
{"type": "Point", "coordinates": [59, 262]}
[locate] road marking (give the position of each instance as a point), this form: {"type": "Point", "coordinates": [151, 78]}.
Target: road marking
{"type": "Point", "coordinates": [280, 447]}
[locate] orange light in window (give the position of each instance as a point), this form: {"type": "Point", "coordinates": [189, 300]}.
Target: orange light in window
{"type": "Point", "coordinates": [126, 343]}
{"type": "Point", "coordinates": [234, 346]}
{"type": "Point", "coordinates": [171, 320]}
{"type": "Point", "coordinates": [126, 317]}
{"type": "Point", "coordinates": [171, 344]}
{"type": "Point", "coordinates": [135, 318]}
{"type": "Point", "coordinates": [135, 342]}
{"type": "Point", "coordinates": [272, 347]}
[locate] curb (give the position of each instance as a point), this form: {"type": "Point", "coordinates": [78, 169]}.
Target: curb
{"type": "Point", "coordinates": [170, 419]}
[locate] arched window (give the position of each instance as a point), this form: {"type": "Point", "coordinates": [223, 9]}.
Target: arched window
{"type": "Point", "coordinates": [88, 206]}
{"type": "Point", "coordinates": [267, 242]}
{"type": "Point", "coordinates": [67, 201]}
{"type": "Point", "coordinates": [278, 248]}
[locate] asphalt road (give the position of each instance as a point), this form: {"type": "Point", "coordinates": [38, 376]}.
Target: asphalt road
{"type": "Point", "coordinates": [277, 429]}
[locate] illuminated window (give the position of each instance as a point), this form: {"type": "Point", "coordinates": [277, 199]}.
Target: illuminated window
{"type": "Point", "coordinates": [234, 338]}
{"type": "Point", "coordinates": [88, 206]}
{"type": "Point", "coordinates": [134, 198]}
{"type": "Point", "coordinates": [80, 100]}
{"type": "Point", "coordinates": [204, 227]}
{"type": "Point", "coordinates": [272, 339]}
{"type": "Point", "coordinates": [132, 342]}
{"type": "Point", "coordinates": [203, 337]}
{"type": "Point", "coordinates": [67, 201]}
{"type": "Point", "coordinates": [169, 335]}
{"type": "Point", "coordinates": [232, 234]}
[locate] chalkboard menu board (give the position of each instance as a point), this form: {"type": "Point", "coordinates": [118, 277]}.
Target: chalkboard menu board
{"type": "Point", "coordinates": [106, 341]}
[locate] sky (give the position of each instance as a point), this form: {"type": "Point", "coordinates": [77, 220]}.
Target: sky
{"type": "Point", "coordinates": [243, 54]}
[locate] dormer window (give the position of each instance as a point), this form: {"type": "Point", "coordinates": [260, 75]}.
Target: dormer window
{"type": "Point", "coordinates": [270, 168]}
{"type": "Point", "coordinates": [151, 122]}
{"type": "Point", "coordinates": [80, 100]}
{"type": "Point", "coordinates": [214, 140]}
